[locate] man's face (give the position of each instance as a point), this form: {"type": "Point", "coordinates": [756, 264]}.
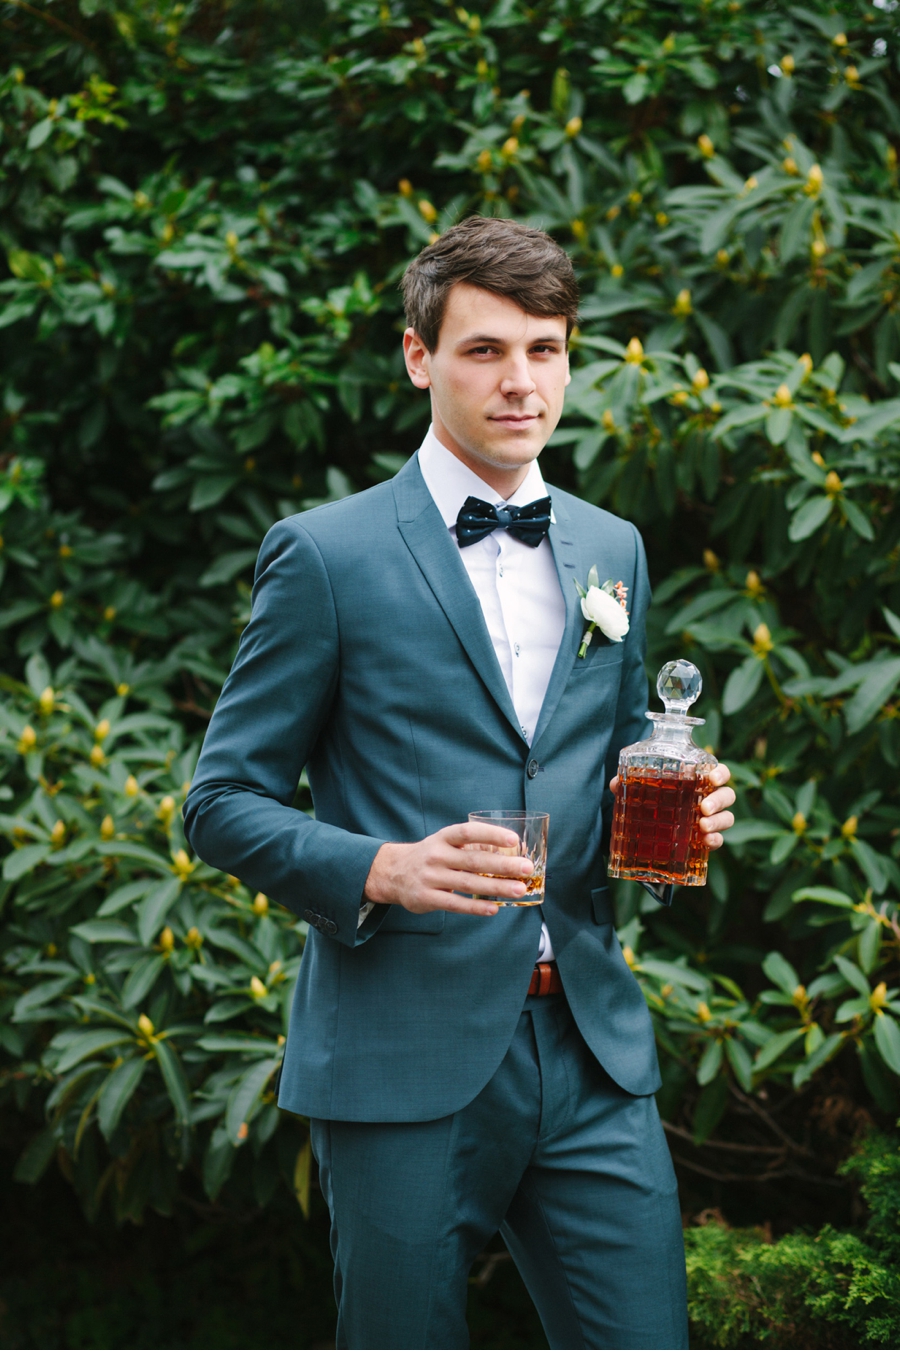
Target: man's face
{"type": "Point", "coordinates": [497, 379]}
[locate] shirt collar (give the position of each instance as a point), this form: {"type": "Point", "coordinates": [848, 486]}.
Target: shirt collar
{"type": "Point", "coordinates": [450, 482]}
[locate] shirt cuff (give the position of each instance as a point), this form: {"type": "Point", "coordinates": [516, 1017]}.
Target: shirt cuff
{"type": "Point", "coordinates": [363, 912]}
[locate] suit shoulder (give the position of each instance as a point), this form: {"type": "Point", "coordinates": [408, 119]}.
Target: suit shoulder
{"type": "Point", "coordinates": [587, 517]}
{"type": "Point", "coordinates": [364, 511]}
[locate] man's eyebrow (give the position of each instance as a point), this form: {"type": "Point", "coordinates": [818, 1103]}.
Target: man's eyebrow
{"type": "Point", "coordinates": [501, 342]}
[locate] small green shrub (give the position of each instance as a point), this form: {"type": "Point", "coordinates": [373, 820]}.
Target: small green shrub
{"type": "Point", "coordinates": [837, 1289]}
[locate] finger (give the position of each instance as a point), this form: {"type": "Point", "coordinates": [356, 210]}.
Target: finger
{"type": "Point", "coordinates": [510, 889]}
{"type": "Point", "coordinates": [474, 861]}
{"type": "Point", "coordinates": [477, 833]}
{"type": "Point", "coordinates": [614, 783]}
{"type": "Point", "coordinates": [715, 842]}
{"type": "Point", "coordinates": [720, 823]}
{"type": "Point", "coordinates": [717, 802]}
{"type": "Point", "coordinates": [436, 900]}
{"type": "Point", "coordinates": [720, 775]}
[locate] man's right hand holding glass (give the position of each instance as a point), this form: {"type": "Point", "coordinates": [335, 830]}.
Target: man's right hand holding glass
{"type": "Point", "coordinates": [431, 875]}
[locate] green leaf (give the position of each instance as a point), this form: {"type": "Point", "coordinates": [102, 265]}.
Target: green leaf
{"type": "Point", "coordinates": [887, 1040]}
{"type": "Point", "coordinates": [848, 1010]}
{"type": "Point", "coordinates": [710, 1062]}
{"type": "Point", "coordinates": [852, 974]}
{"type": "Point", "coordinates": [671, 972]}
{"type": "Point", "coordinates": [832, 897]}
{"type": "Point", "coordinates": [118, 1089]}
{"type": "Point", "coordinates": [741, 1063]}
{"type": "Point", "coordinates": [121, 897]}
{"type": "Point", "coordinates": [809, 517]}
{"type": "Point", "coordinates": [39, 133]}
{"type": "Point", "coordinates": [129, 850]}
{"type": "Point", "coordinates": [776, 1047]}
{"type": "Point", "coordinates": [22, 861]}
{"type": "Point", "coordinates": [858, 519]}
{"type": "Point", "coordinates": [228, 566]}
{"type": "Point", "coordinates": [211, 490]}
{"type": "Point", "coordinates": [872, 694]}
{"type": "Point", "coordinates": [88, 1045]}
{"type": "Point", "coordinates": [779, 971]}
{"type": "Point", "coordinates": [869, 946]}
{"type": "Point", "coordinates": [742, 684]}
{"type": "Point", "coordinates": [740, 417]}
{"type": "Point", "coordinates": [778, 425]}
{"type": "Point", "coordinates": [140, 980]}
{"type": "Point", "coordinates": [711, 1105]}
{"type": "Point", "coordinates": [823, 1053]}
{"type": "Point", "coordinates": [152, 911]}
{"type": "Point", "coordinates": [751, 829]}
{"type": "Point", "coordinates": [105, 932]}
{"type": "Point", "coordinates": [41, 995]}
{"type": "Point", "coordinates": [871, 865]}
{"type": "Point", "coordinates": [783, 847]}
{"type": "Point", "coordinates": [175, 1081]}
{"type": "Point", "coordinates": [237, 1043]}
{"type": "Point", "coordinates": [244, 1096]}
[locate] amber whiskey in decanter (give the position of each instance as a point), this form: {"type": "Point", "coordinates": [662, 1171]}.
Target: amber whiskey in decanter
{"type": "Point", "coordinates": [656, 835]}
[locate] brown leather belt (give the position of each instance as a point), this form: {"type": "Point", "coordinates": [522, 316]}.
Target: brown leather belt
{"type": "Point", "coordinates": [545, 980]}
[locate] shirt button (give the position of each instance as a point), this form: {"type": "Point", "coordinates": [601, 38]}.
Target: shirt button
{"type": "Point", "coordinates": [532, 769]}
{"type": "Point", "coordinates": [500, 571]}
{"type": "Point", "coordinates": [517, 650]}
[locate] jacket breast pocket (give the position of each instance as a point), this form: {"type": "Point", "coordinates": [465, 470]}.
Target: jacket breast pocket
{"type": "Point", "coordinates": [603, 655]}
{"type": "Point", "coordinates": [601, 904]}
{"type": "Point", "coordinates": [412, 923]}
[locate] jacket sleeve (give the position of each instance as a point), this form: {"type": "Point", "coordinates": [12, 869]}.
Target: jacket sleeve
{"type": "Point", "coordinates": [238, 815]}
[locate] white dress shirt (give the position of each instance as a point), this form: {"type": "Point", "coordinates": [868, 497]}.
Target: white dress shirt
{"type": "Point", "coordinates": [517, 585]}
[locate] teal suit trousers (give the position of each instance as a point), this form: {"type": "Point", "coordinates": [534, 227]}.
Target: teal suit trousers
{"type": "Point", "coordinates": [574, 1172]}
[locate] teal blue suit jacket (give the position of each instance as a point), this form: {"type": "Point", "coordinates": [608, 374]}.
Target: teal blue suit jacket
{"type": "Point", "coordinates": [367, 660]}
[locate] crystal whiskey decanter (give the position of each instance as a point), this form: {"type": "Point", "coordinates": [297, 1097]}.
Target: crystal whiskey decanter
{"type": "Point", "coordinates": [656, 835]}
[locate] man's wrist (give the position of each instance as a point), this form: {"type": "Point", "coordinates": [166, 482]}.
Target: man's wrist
{"type": "Point", "coordinates": [378, 883]}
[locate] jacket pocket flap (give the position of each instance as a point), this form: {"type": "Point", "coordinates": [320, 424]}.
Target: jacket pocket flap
{"type": "Point", "coordinates": [421, 923]}
{"type": "Point", "coordinates": [602, 905]}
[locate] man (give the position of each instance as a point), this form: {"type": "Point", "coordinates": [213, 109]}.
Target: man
{"type": "Point", "coordinates": [465, 1068]}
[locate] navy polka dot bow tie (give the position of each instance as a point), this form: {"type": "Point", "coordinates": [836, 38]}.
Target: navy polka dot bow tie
{"type": "Point", "coordinates": [478, 519]}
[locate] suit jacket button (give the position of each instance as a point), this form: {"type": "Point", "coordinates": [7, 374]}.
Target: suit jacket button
{"type": "Point", "coordinates": [310, 915]}
{"type": "Point", "coordinates": [532, 769]}
{"type": "Point", "coordinates": [327, 927]}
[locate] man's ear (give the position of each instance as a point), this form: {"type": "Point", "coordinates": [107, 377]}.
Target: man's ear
{"type": "Point", "coordinates": [568, 372]}
{"type": "Point", "coordinates": [416, 356]}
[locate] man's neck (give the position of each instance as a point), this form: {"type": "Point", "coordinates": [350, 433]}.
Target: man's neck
{"type": "Point", "coordinates": [504, 480]}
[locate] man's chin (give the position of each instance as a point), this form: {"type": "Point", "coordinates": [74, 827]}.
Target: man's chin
{"type": "Point", "coordinates": [505, 442]}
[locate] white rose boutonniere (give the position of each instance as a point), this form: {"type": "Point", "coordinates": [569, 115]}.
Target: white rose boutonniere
{"type": "Point", "coordinates": [603, 606]}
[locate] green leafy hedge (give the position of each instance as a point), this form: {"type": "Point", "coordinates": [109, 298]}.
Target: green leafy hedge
{"type": "Point", "coordinates": [205, 212]}
{"type": "Point", "coordinates": [837, 1289]}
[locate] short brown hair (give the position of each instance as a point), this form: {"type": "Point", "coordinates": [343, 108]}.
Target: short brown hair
{"type": "Point", "coordinates": [510, 259]}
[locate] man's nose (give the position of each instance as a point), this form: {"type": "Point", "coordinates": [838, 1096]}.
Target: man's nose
{"type": "Point", "coordinates": [517, 381]}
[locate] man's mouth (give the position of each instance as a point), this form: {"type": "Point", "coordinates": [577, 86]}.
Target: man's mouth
{"type": "Point", "coordinates": [514, 419]}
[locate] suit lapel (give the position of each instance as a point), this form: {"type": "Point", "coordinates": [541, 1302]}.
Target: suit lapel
{"type": "Point", "coordinates": [437, 555]}
{"type": "Point", "coordinates": [562, 542]}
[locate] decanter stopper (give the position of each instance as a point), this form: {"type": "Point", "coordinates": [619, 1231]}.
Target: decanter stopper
{"type": "Point", "coordinates": [678, 685]}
